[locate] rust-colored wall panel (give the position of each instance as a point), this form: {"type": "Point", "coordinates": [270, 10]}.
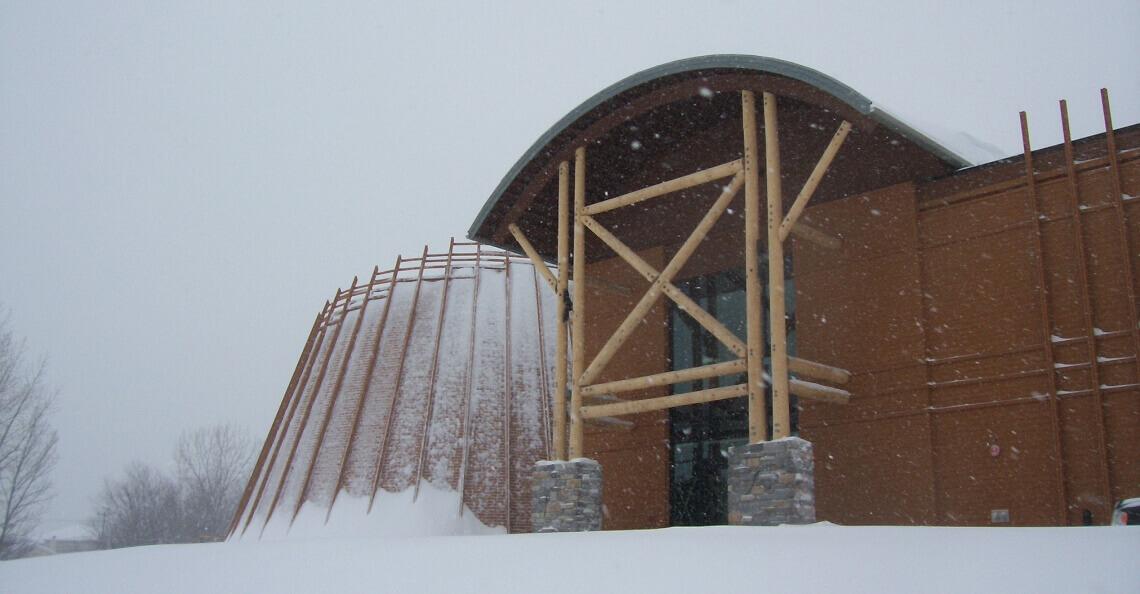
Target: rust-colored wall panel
{"type": "Point", "coordinates": [635, 485]}
{"type": "Point", "coordinates": [874, 472]}
{"type": "Point", "coordinates": [1019, 360]}
{"type": "Point", "coordinates": [980, 294]}
{"type": "Point", "coordinates": [635, 464]}
{"type": "Point", "coordinates": [1062, 278]}
{"type": "Point", "coordinates": [974, 218]}
{"type": "Point", "coordinates": [1106, 260]}
{"type": "Point", "coordinates": [1122, 418]}
{"type": "Point", "coordinates": [873, 393]}
{"type": "Point", "coordinates": [862, 316]}
{"type": "Point", "coordinates": [869, 225]}
{"type": "Point", "coordinates": [1022, 478]}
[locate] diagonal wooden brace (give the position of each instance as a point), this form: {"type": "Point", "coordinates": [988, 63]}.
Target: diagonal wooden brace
{"type": "Point", "coordinates": [635, 317]}
{"type": "Point", "coordinates": [535, 259]}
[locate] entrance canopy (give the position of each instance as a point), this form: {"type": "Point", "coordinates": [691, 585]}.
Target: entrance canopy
{"type": "Point", "coordinates": [683, 117]}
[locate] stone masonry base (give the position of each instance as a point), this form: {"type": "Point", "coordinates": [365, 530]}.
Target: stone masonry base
{"type": "Point", "coordinates": [566, 496]}
{"type": "Point", "coordinates": [771, 483]}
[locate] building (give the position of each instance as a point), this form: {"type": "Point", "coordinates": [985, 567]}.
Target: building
{"type": "Point", "coordinates": [987, 315]}
{"type": "Point", "coordinates": [959, 343]}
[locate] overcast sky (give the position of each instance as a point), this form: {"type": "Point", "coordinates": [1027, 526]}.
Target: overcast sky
{"type": "Point", "coordinates": [183, 185]}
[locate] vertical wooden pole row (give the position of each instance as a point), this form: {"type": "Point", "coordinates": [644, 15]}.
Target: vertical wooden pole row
{"type": "Point", "coordinates": [432, 374]}
{"type": "Point", "coordinates": [334, 393]}
{"type": "Point", "coordinates": [398, 379]}
{"type": "Point", "coordinates": [1046, 323]}
{"type": "Point", "coordinates": [367, 383]}
{"type": "Point", "coordinates": [295, 403]}
{"type": "Point", "coordinates": [1122, 225]}
{"type": "Point", "coordinates": [579, 303]}
{"type": "Point", "coordinates": [316, 392]}
{"type": "Point", "coordinates": [1086, 296]}
{"type": "Point", "coordinates": [781, 414]}
{"type": "Point", "coordinates": [258, 468]}
{"type": "Point", "coordinates": [757, 414]}
{"type": "Point", "coordinates": [560, 336]}
{"type": "Point", "coordinates": [467, 387]}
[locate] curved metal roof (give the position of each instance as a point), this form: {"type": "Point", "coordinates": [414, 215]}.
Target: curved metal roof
{"type": "Point", "coordinates": [619, 96]}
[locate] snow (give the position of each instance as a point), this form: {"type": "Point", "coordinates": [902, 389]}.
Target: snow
{"type": "Point", "coordinates": [815, 558]}
{"type": "Point", "coordinates": [429, 512]}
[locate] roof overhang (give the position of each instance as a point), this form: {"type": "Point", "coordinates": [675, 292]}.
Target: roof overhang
{"type": "Point", "coordinates": [684, 116]}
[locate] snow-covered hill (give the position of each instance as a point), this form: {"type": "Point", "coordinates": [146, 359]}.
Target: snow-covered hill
{"type": "Point", "coordinates": [815, 558]}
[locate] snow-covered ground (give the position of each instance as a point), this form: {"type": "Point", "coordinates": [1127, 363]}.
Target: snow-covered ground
{"type": "Point", "coordinates": [815, 558]}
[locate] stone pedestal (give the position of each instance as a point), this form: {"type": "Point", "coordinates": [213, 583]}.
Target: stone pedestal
{"type": "Point", "coordinates": [771, 483]}
{"type": "Point", "coordinates": [566, 496]}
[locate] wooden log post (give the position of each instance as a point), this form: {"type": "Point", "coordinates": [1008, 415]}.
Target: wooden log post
{"type": "Point", "coordinates": [560, 336]}
{"type": "Point", "coordinates": [754, 303]}
{"type": "Point", "coordinates": [781, 413]}
{"type": "Point", "coordinates": [579, 304]}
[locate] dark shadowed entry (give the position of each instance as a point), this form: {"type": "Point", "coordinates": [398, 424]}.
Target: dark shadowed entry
{"type": "Point", "coordinates": [701, 434]}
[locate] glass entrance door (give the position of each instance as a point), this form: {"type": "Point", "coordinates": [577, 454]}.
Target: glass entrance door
{"type": "Point", "coordinates": [700, 434]}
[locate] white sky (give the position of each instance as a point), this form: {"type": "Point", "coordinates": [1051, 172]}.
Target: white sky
{"type": "Point", "coordinates": [182, 186]}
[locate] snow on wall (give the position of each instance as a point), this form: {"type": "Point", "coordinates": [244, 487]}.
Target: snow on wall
{"type": "Point", "coordinates": [431, 377]}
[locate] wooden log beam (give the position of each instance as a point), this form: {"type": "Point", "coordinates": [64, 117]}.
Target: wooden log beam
{"type": "Point", "coordinates": [607, 286]}
{"type": "Point", "coordinates": [637, 315]}
{"type": "Point", "coordinates": [818, 370]}
{"type": "Point", "coordinates": [592, 399]}
{"type": "Point", "coordinates": [649, 404]}
{"type": "Point", "coordinates": [535, 258]}
{"type": "Point", "coordinates": [815, 236]}
{"type": "Point", "coordinates": [754, 323]}
{"type": "Point", "coordinates": [813, 180]}
{"type": "Point", "coordinates": [578, 337]}
{"type": "Point", "coordinates": [666, 187]}
{"type": "Point", "coordinates": [558, 441]}
{"type": "Point", "coordinates": [813, 391]}
{"type": "Point", "coordinates": [690, 307]}
{"type": "Point", "coordinates": [777, 330]}
{"type": "Point", "coordinates": [611, 424]}
{"type": "Point", "coordinates": [667, 378]}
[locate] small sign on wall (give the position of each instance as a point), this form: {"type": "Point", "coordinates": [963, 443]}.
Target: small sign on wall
{"type": "Point", "coordinates": [999, 516]}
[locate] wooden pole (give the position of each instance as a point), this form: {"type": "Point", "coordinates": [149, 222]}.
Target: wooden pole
{"type": "Point", "coordinates": [813, 180]}
{"type": "Point", "coordinates": [579, 304]}
{"type": "Point", "coordinates": [560, 362]}
{"type": "Point", "coordinates": [1046, 321]}
{"type": "Point", "coordinates": [334, 394]}
{"type": "Point", "coordinates": [639, 406]}
{"type": "Point", "coordinates": [665, 187]}
{"type": "Point", "coordinates": [259, 467]}
{"type": "Point", "coordinates": [781, 413]}
{"type": "Point", "coordinates": [815, 236]}
{"type": "Point", "coordinates": [1122, 223]}
{"type": "Point", "coordinates": [637, 315]}
{"type": "Point", "coordinates": [754, 302]}
{"type": "Point", "coordinates": [1089, 314]}
{"type": "Point", "coordinates": [666, 378]}
{"type": "Point", "coordinates": [818, 370]}
{"type": "Point", "coordinates": [534, 256]}
{"type": "Point", "coordinates": [397, 378]}
{"type": "Point", "coordinates": [429, 395]}
{"type": "Point", "coordinates": [468, 432]}
{"type": "Point", "coordinates": [818, 392]}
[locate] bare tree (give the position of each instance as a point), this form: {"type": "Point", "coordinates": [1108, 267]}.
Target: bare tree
{"type": "Point", "coordinates": [142, 508]}
{"type": "Point", "coordinates": [213, 466]}
{"type": "Point", "coordinates": [147, 507]}
{"type": "Point", "coordinates": [27, 446]}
